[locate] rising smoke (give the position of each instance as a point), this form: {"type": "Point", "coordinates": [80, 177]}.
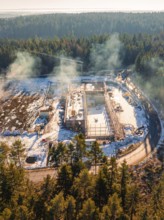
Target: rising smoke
{"type": "Point", "coordinates": [102, 56]}
{"type": "Point", "coordinates": [157, 66]}
{"type": "Point", "coordinates": [107, 55]}
{"type": "Point", "coordinates": [67, 70]}
{"type": "Point", "coordinates": [24, 66]}
{"type": "Point", "coordinates": [153, 84]}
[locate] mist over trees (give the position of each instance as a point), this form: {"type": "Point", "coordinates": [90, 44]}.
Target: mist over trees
{"type": "Point", "coordinates": [136, 50]}
{"type": "Point", "coordinates": [141, 37]}
{"type": "Point", "coordinates": [143, 52]}
{"type": "Point", "coordinates": [80, 25]}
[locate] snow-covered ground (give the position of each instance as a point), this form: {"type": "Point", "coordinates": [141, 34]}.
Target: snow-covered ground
{"type": "Point", "coordinates": [75, 106]}
{"type": "Point", "coordinates": [98, 121]}
{"type": "Point", "coordinates": [127, 116]}
{"type": "Point", "coordinates": [34, 85]}
{"type": "Point", "coordinates": [37, 145]}
{"type": "Point", "coordinates": [132, 116]}
{"type": "Point", "coordinates": [111, 148]}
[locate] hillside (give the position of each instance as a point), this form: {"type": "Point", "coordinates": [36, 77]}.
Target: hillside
{"type": "Point", "coordinates": [80, 25]}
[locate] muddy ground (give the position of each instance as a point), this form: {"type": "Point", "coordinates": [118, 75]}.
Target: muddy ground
{"type": "Point", "coordinates": [19, 111]}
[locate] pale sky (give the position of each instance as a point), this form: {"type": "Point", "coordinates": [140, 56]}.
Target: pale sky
{"type": "Point", "coordinates": [84, 5]}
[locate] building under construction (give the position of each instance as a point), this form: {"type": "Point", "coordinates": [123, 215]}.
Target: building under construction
{"type": "Point", "coordinates": [90, 110]}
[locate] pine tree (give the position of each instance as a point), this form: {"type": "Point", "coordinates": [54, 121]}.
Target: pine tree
{"type": "Point", "coordinates": [157, 200]}
{"type": "Point", "coordinates": [80, 147]}
{"type": "Point", "coordinates": [83, 187]}
{"type": "Point", "coordinates": [113, 176]}
{"type": "Point", "coordinates": [96, 154]}
{"type": "Point", "coordinates": [77, 167]}
{"type": "Point", "coordinates": [114, 204]}
{"type": "Point", "coordinates": [6, 214]}
{"type": "Point", "coordinates": [65, 179]}
{"type": "Point", "coordinates": [57, 209]}
{"type": "Point", "coordinates": [133, 198]}
{"type": "Point", "coordinates": [124, 184]}
{"type": "Point", "coordinates": [144, 215]}
{"type": "Point", "coordinates": [70, 208]}
{"type": "Point", "coordinates": [70, 153]}
{"type": "Point", "coordinates": [106, 213]}
{"type": "Point", "coordinates": [48, 188]}
{"type": "Point", "coordinates": [17, 152]}
{"type": "Point", "coordinates": [4, 150]}
{"type": "Point", "coordinates": [101, 187]}
{"type": "Point", "coordinates": [58, 154]}
{"type": "Point", "coordinates": [88, 211]}
{"type": "Point", "coordinates": [21, 213]}
{"type": "Point", "coordinates": [12, 185]}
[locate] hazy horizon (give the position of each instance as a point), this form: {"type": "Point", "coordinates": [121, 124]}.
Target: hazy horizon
{"type": "Point", "coordinates": [71, 6]}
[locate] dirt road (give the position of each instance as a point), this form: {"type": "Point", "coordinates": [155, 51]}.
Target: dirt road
{"type": "Point", "coordinates": [38, 175]}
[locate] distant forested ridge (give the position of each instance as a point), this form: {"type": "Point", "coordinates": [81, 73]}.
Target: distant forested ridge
{"type": "Point", "coordinates": [80, 25]}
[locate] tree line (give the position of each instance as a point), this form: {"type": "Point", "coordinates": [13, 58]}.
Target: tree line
{"type": "Point", "coordinates": [138, 49]}
{"type": "Point", "coordinates": [143, 52]}
{"type": "Point", "coordinates": [115, 193]}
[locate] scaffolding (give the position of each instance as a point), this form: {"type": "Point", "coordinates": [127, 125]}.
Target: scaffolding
{"type": "Point", "coordinates": [85, 113]}
{"type": "Point", "coordinates": [99, 131]}
{"type": "Point", "coordinates": [116, 126]}
{"type": "Point", "coordinates": [110, 129]}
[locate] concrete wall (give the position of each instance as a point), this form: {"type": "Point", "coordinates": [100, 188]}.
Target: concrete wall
{"type": "Point", "coordinates": [138, 154]}
{"type": "Point", "coordinates": [149, 144]}
{"type": "Point", "coordinates": [76, 125]}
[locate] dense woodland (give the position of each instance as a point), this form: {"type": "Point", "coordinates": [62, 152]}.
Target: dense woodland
{"type": "Point", "coordinates": [80, 25]}
{"type": "Point", "coordinates": [116, 192]}
{"type": "Point", "coordinates": [138, 49]}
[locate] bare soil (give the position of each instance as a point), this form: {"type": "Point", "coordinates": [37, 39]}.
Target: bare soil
{"type": "Point", "coordinates": [14, 113]}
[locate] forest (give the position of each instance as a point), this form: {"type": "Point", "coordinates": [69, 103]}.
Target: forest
{"type": "Point", "coordinates": [80, 25]}
{"type": "Point", "coordinates": [114, 193]}
{"type": "Point", "coordinates": [137, 49]}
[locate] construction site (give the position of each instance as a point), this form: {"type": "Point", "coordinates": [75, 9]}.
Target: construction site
{"type": "Point", "coordinates": [42, 112]}
{"type": "Point", "coordinates": [89, 109]}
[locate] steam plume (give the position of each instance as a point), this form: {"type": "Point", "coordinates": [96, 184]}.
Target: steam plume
{"type": "Point", "coordinates": [107, 55]}
{"type": "Point", "coordinates": [153, 85]}
{"type": "Point", "coordinates": [24, 66]}
{"type": "Point", "coordinates": [67, 70]}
